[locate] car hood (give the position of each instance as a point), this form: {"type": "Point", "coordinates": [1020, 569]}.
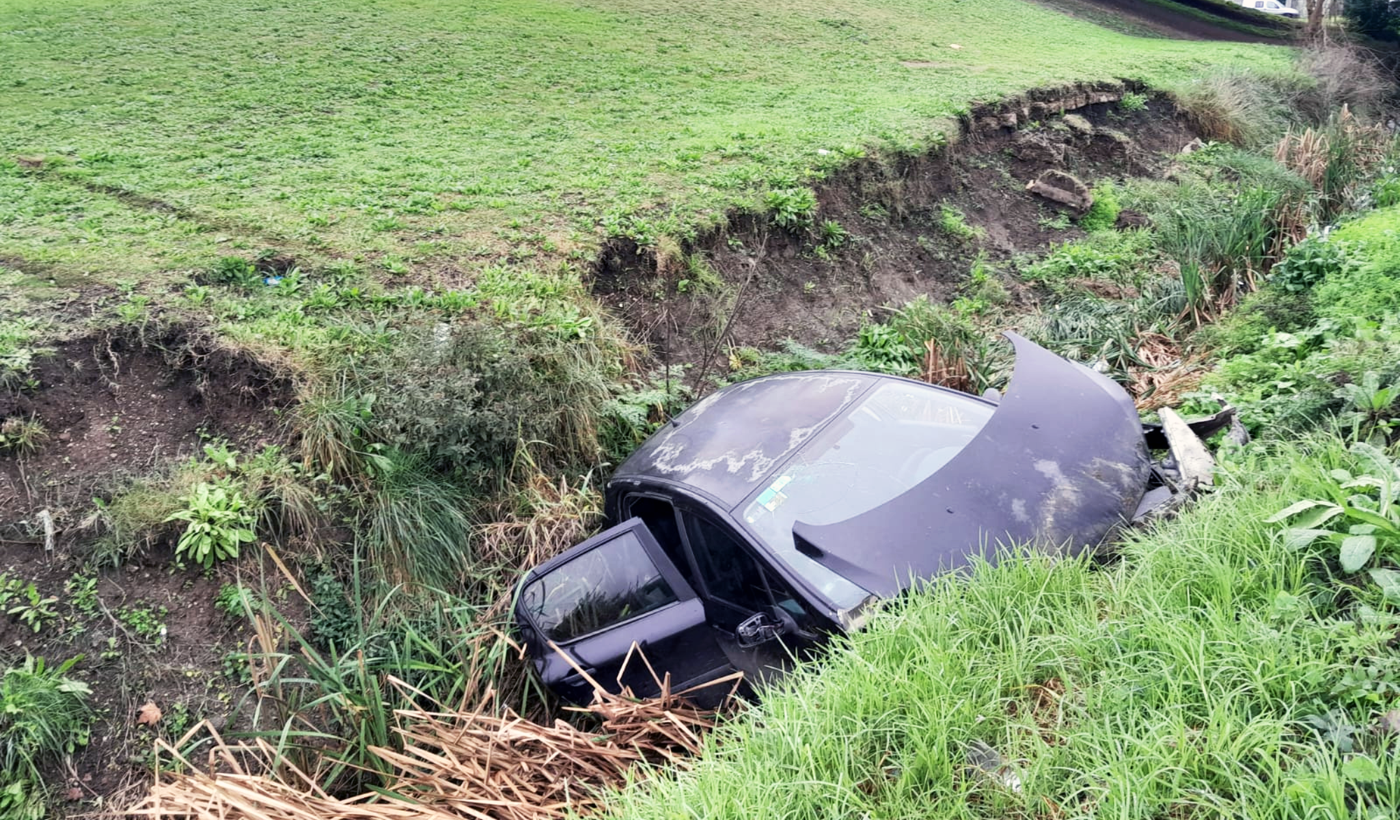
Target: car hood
{"type": "Point", "coordinates": [1062, 463]}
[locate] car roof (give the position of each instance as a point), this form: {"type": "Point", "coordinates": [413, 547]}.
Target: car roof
{"type": "Point", "coordinates": [729, 442]}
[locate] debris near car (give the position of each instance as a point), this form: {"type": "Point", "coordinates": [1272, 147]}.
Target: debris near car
{"type": "Point", "coordinates": [777, 512]}
{"type": "Point", "coordinates": [474, 763]}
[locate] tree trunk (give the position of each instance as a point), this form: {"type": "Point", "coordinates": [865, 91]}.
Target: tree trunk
{"type": "Point", "coordinates": [1315, 32]}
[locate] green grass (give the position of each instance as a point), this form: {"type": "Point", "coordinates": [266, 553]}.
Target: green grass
{"type": "Point", "coordinates": [442, 133]}
{"type": "Point", "coordinates": [1210, 672]}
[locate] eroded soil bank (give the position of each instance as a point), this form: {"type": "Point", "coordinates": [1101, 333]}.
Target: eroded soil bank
{"type": "Point", "coordinates": [769, 285]}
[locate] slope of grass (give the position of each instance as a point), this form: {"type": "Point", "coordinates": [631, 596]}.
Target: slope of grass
{"type": "Point", "coordinates": [143, 137]}
{"type": "Point", "coordinates": [1211, 672]}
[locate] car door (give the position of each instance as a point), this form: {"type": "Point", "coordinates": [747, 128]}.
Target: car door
{"type": "Point", "coordinates": [737, 588]}
{"type": "Point", "coordinates": [603, 602]}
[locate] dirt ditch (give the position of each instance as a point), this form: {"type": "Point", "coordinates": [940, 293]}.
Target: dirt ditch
{"type": "Point", "coordinates": [770, 285]}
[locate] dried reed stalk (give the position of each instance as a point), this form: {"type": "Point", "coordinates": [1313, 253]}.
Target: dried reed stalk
{"type": "Point", "coordinates": [1166, 376]}
{"type": "Point", "coordinates": [949, 370]}
{"type": "Point", "coordinates": [466, 763]}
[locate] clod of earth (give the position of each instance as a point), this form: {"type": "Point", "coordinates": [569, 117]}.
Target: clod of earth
{"type": "Point", "coordinates": [1064, 188]}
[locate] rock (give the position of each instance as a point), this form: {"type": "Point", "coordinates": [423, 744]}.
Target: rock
{"type": "Point", "coordinates": [1389, 724]}
{"type": "Point", "coordinates": [1066, 189]}
{"type": "Point", "coordinates": [1034, 146]}
{"type": "Point", "coordinates": [1193, 146]}
{"type": "Point", "coordinates": [1129, 219]}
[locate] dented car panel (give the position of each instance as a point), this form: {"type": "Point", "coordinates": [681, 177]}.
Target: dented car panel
{"type": "Point", "coordinates": [1062, 462]}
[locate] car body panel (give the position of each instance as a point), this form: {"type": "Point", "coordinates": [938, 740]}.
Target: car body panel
{"type": "Point", "coordinates": [727, 443]}
{"type": "Point", "coordinates": [1062, 461]}
{"type": "Point", "coordinates": [677, 632]}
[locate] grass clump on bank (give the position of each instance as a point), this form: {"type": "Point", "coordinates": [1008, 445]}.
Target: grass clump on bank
{"type": "Point", "coordinates": [1212, 669]}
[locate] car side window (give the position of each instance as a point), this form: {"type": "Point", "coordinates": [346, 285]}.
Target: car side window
{"type": "Point", "coordinates": [728, 572]}
{"type": "Point", "coordinates": [660, 517]}
{"type": "Point", "coordinates": [605, 586]}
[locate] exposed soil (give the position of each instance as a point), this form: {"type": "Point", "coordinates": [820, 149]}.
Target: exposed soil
{"type": "Point", "coordinates": [779, 285]}
{"type": "Point", "coordinates": [116, 407]}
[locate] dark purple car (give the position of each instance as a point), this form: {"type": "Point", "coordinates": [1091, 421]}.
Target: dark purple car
{"type": "Point", "coordinates": [772, 513]}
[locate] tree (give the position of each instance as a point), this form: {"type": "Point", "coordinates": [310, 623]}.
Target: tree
{"type": "Point", "coordinates": [1373, 18]}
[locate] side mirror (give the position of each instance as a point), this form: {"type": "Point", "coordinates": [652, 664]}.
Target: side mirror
{"type": "Point", "coordinates": [759, 628]}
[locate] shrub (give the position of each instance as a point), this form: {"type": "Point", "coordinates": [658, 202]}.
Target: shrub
{"type": "Point", "coordinates": [792, 208]}
{"type": "Point", "coordinates": [218, 522]}
{"type": "Point", "coordinates": [1103, 214]}
{"type": "Point", "coordinates": [1344, 75]}
{"type": "Point", "coordinates": [1308, 263]}
{"type": "Point", "coordinates": [460, 394]}
{"type": "Point", "coordinates": [1373, 18]}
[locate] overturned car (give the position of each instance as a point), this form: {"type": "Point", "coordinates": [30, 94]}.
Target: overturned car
{"type": "Point", "coordinates": [774, 512]}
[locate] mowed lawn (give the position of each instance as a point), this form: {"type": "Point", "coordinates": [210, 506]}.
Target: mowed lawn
{"type": "Point", "coordinates": [141, 137]}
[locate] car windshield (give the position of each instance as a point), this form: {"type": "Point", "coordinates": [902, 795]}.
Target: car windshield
{"type": "Point", "coordinates": [896, 437]}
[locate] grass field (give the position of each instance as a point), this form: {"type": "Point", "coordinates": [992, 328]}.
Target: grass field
{"type": "Point", "coordinates": [143, 138]}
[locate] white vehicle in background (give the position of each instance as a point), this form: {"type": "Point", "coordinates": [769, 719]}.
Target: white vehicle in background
{"type": "Point", "coordinates": [1270, 7]}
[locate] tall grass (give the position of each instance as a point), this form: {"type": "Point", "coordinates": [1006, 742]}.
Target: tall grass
{"type": "Point", "coordinates": [43, 714]}
{"type": "Point", "coordinates": [1182, 681]}
{"type": "Point", "coordinates": [326, 706]}
{"type": "Point", "coordinates": [414, 521]}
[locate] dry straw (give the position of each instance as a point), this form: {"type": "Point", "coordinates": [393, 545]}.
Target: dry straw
{"type": "Point", "coordinates": [475, 763]}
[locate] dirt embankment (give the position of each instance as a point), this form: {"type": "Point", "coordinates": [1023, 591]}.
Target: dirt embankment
{"type": "Point", "coordinates": [117, 407]}
{"type": "Point", "coordinates": [770, 285]}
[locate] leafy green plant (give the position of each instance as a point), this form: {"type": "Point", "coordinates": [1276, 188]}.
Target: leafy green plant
{"type": "Point", "coordinates": [883, 348]}
{"type": "Point", "coordinates": [953, 222]}
{"type": "Point", "coordinates": [235, 271]}
{"type": "Point", "coordinates": [82, 593]}
{"type": "Point", "coordinates": [21, 435]}
{"type": "Point", "coordinates": [792, 208]}
{"type": "Point", "coordinates": [1361, 509]}
{"type": "Point", "coordinates": [1133, 101]}
{"type": "Point", "coordinates": [1369, 405]}
{"type": "Point", "coordinates": [1103, 213]}
{"type": "Point", "coordinates": [1309, 262]}
{"type": "Point", "coordinates": [218, 522]}
{"type": "Point", "coordinates": [34, 610]}
{"type": "Point", "coordinates": [146, 621]}
{"type": "Point", "coordinates": [234, 600]}
{"type": "Point", "coordinates": [833, 234]}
